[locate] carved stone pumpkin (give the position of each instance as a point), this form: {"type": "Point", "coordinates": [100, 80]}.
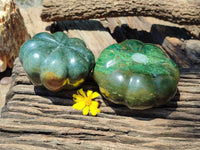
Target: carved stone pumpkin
{"type": "Point", "coordinates": [136, 74]}
{"type": "Point", "coordinates": [56, 61]}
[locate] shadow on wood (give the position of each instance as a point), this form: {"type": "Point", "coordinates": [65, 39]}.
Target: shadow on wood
{"type": "Point", "coordinates": [170, 38]}
{"type": "Point", "coordinates": [6, 73]}
{"type": "Point", "coordinates": [64, 98]}
{"type": "Point", "coordinates": [148, 114]}
{"type": "Point", "coordinates": [125, 32]}
{"type": "Point", "coordinates": [170, 31]}
{"type": "Point", "coordinates": [88, 25]}
{"type": "Point", "coordinates": [156, 35]}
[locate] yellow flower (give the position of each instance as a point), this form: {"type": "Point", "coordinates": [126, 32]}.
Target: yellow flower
{"type": "Point", "coordinates": [85, 102]}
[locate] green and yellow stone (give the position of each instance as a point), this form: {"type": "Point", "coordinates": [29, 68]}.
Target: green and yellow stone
{"type": "Point", "coordinates": [56, 61]}
{"type": "Point", "coordinates": [138, 75]}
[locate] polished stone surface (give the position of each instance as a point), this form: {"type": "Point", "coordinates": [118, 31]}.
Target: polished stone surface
{"type": "Point", "coordinates": [138, 75]}
{"type": "Point", "coordinates": [56, 61]}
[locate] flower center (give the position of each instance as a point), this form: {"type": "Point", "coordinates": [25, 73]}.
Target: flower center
{"type": "Point", "coordinates": [88, 101]}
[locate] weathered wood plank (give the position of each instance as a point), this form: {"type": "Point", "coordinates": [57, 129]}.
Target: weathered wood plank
{"type": "Point", "coordinates": [32, 20]}
{"type": "Point", "coordinates": [36, 118]}
{"type": "Point", "coordinates": [64, 143]}
{"type": "Point", "coordinates": [22, 92]}
{"type": "Point", "coordinates": [183, 12]}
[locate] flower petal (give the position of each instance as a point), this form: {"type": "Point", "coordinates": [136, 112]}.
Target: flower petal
{"type": "Point", "coordinates": [95, 94]}
{"type": "Point", "coordinates": [95, 104]}
{"type": "Point", "coordinates": [89, 93]}
{"type": "Point", "coordinates": [94, 110]}
{"type": "Point", "coordinates": [86, 110]}
{"type": "Point", "coordinates": [81, 92]}
{"type": "Point", "coordinates": [79, 105]}
{"type": "Point", "coordinates": [77, 98]}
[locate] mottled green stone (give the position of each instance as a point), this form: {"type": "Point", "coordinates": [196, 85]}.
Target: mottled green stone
{"type": "Point", "coordinates": [56, 61]}
{"type": "Point", "coordinates": [138, 75]}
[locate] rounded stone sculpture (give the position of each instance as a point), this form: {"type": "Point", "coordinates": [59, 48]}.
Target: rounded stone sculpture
{"type": "Point", "coordinates": [56, 61]}
{"type": "Point", "coordinates": [137, 75]}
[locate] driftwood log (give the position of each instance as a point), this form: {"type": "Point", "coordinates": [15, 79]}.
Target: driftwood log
{"type": "Point", "coordinates": [177, 11]}
{"type": "Point", "coordinates": [34, 118]}
{"type": "Point", "coordinates": [13, 33]}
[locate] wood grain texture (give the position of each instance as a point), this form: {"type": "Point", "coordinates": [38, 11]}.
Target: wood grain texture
{"type": "Point", "coordinates": [36, 118]}
{"type": "Point", "coordinates": [179, 11]}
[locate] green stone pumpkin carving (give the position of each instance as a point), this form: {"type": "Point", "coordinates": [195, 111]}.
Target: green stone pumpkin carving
{"type": "Point", "coordinates": [56, 61]}
{"type": "Point", "coordinates": [138, 75]}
